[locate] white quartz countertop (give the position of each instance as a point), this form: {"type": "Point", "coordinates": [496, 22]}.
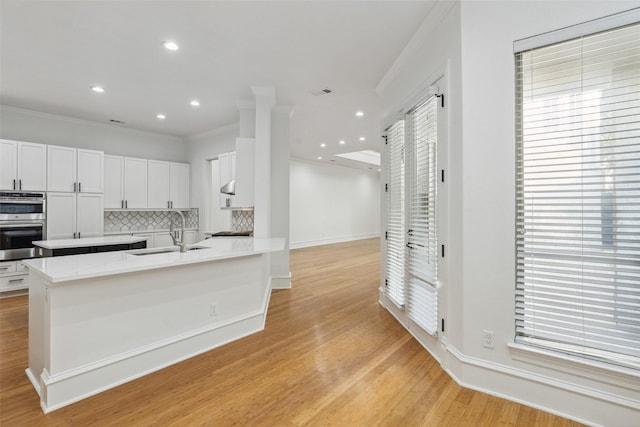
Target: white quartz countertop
{"type": "Point", "coordinates": [88, 241]}
{"type": "Point", "coordinates": [75, 267]}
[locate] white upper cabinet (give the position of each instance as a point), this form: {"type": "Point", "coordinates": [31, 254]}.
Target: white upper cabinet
{"type": "Point", "coordinates": [135, 183]}
{"type": "Point", "coordinates": [180, 186]}
{"type": "Point", "coordinates": [90, 215]}
{"type": "Point", "coordinates": [244, 172]}
{"type": "Point", "coordinates": [159, 182]}
{"type": "Point", "coordinates": [169, 185]}
{"type": "Point", "coordinates": [113, 182]}
{"type": "Point", "coordinates": [23, 166]}
{"type": "Point", "coordinates": [74, 215]}
{"type": "Point", "coordinates": [238, 166]}
{"type": "Point", "coordinates": [227, 166]}
{"type": "Point", "coordinates": [74, 170]}
{"type": "Point", "coordinates": [125, 182]}
{"type": "Point", "coordinates": [90, 171]}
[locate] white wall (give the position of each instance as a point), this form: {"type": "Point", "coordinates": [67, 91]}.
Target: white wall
{"type": "Point", "coordinates": [43, 128]}
{"type": "Point", "coordinates": [476, 38]}
{"type": "Point", "coordinates": [200, 150]}
{"type": "Point", "coordinates": [434, 51]}
{"type": "Point", "coordinates": [332, 204]}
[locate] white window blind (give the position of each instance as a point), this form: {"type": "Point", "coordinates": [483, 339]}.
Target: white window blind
{"type": "Point", "coordinates": [578, 196]}
{"type": "Point", "coordinates": [422, 136]}
{"type": "Point", "coordinates": [395, 275]}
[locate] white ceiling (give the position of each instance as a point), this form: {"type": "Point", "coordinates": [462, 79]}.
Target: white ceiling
{"type": "Point", "coordinates": [52, 51]}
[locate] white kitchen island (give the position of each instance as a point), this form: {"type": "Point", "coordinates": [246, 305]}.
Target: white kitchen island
{"type": "Point", "coordinates": [99, 320]}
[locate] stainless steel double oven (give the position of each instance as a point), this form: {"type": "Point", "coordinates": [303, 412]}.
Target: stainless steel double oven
{"type": "Point", "coordinates": [22, 221]}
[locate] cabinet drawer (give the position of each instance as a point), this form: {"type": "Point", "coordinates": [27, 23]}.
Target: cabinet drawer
{"type": "Point", "coordinates": [7, 267]}
{"type": "Point", "coordinates": [14, 282]}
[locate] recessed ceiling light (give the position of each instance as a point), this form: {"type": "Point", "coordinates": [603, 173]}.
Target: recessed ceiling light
{"type": "Point", "coordinates": [342, 142]}
{"type": "Point", "coordinates": [362, 138]}
{"type": "Point", "coordinates": [161, 116]}
{"type": "Point", "coordinates": [359, 114]}
{"type": "Point", "coordinates": [379, 170]}
{"type": "Point", "coordinates": [323, 145]}
{"type": "Point", "coordinates": [195, 103]}
{"type": "Point", "coordinates": [168, 44]}
{"type": "Point", "coordinates": [98, 89]}
{"type": "Point", "coordinates": [319, 157]}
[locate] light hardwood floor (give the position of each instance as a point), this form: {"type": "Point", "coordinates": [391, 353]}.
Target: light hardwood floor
{"type": "Point", "coordinates": [330, 356]}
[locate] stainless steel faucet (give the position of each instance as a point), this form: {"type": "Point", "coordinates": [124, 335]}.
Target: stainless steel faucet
{"type": "Point", "coordinates": [174, 233]}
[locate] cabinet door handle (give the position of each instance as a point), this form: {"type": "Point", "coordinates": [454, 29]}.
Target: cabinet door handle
{"type": "Point", "coordinates": [16, 280]}
{"type": "Point", "coordinates": [121, 204]}
{"type": "Point", "coordinates": [126, 204]}
{"type": "Point", "coordinates": [75, 186]}
{"type": "Point", "coordinates": [168, 205]}
{"type": "Point", "coordinates": [172, 204]}
{"type": "Point", "coordinates": [14, 184]}
{"type": "Point", "coordinates": [78, 234]}
{"type": "Point", "coordinates": [79, 187]}
{"type": "Point", "coordinates": [20, 184]}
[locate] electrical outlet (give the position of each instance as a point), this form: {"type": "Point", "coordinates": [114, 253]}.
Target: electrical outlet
{"type": "Point", "coordinates": [487, 339]}
{"type": "Point", "coordinates": [212, 310]}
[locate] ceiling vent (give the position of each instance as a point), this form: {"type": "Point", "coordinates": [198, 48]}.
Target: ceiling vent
{"type": "Point", "coordinates": [321, 92]}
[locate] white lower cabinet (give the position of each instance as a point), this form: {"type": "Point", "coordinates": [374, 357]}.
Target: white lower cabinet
{"type": "Point", "coordinates": [14, 278]}
{"type": "Point", "coordinates": [74, 215]}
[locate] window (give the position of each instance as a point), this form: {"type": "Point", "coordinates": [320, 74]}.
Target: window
{"type": "Point", "coordinates": [395, 264]}
{"type": "Point", "coordinates": [578, 196]}
{"type": "Point", "coordinates": [412, 254]}
{"type": "Point", "coordinates": [422, 125]}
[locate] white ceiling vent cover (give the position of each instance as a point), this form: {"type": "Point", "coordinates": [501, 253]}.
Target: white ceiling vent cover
{"type": "Point", "coordinates": [321, 92]}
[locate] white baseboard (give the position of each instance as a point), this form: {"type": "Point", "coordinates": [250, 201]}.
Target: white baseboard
{"type": "Point", "coordinates": [282, 282]}
{"type": "Point", "coordinates": [331, 240]}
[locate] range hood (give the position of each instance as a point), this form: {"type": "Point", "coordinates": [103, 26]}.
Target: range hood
{"type": "Point", "coordinates": [229, 188]}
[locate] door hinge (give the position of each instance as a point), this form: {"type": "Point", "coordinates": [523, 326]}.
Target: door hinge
{"type": "Point", "coordinates": [442, 323]}
{"type": "Point", "coordinates": [442, 251]}
{"type": "Point", "coordinates": [386, 235]}
{"type": "Point", "coordinates": [386, 283]}
{"type": "Point", "coordinates": [386, 188]}
{"type": "Point", "coordinates": [442, 175]}
{"type": "Point", "coordinates": [441, 96]}
{"type": "Point", "coordinates": [386, 141]}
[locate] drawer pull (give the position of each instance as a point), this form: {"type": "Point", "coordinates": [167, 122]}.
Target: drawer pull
{"type": "Point", "coordinates": [4, 268]}
{"type": "Point", "coordinates": [16, 280]}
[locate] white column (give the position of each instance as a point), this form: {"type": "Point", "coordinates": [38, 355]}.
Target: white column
{"type": "Point", "coordinates": [280, 156]}
{"type": "Point", "coordinates": [265, 100]}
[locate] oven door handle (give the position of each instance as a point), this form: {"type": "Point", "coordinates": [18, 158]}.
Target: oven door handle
{"type": "Point", "coordinates": [22, 201]}
{"type": "Point", "coordinates": [23, 225]}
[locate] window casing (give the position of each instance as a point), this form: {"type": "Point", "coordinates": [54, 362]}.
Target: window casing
{"type": "Point", "coordinates": [411, 232]}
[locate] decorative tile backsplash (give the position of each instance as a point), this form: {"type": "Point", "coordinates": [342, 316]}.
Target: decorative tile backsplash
{"type": "Point", "coordinates": [148, 220]}
{"type": "Point", "coordinates": [241, 220]}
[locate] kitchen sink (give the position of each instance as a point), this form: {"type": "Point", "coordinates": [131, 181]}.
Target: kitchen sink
{"type": "Point", "coordinates": [161, 251]}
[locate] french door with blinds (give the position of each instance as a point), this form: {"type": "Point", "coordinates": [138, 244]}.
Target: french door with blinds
{"type": "Point", "coordinates": [412, 238]}
{"type": "Point", "coordinates": [578, 196]}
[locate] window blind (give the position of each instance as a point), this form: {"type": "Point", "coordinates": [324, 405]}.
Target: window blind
{"type": "Point", "coordinates": [395, 277]}
{"type": "Point", "coordinates": [422, 130]}
{"type": "Point", "coordinates": [578, 196]}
